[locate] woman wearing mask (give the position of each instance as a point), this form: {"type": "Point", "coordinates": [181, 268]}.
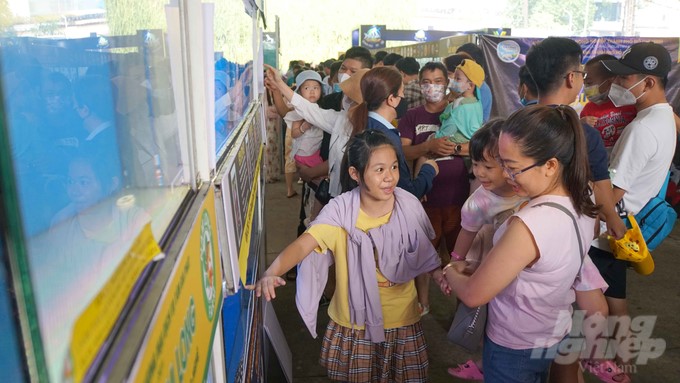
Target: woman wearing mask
{"type": "Point", "coordinates": [379, 98]}
{"type": "Point", "coordinates": [382, 89]}
{"type": "Point", "coordinates": [333, 122]}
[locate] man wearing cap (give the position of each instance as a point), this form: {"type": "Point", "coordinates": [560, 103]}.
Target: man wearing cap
{"type": "Point", "coordinates": [642, 156]}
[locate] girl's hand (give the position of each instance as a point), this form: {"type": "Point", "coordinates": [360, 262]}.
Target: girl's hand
{"type": "Point", "coordinates": [425, 160]}
{"type": "Point", "coordinates": [439, 278]}
{"type": "Point", "coordinates": [266, 284]}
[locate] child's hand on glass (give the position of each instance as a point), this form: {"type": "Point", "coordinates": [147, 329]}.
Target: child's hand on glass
{"type": "Point", "coordinates": [266, 285]}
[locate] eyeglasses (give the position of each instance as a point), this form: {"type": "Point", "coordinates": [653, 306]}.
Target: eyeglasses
{"type": "Point", "coordinates": [513, 175]}
{"type": "Point", "coordinates": [583, 73]}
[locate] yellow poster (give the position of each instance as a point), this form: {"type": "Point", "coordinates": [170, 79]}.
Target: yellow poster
{"type": "Point", "coordinates": [248, 224]}
{"type": "Point", "coordinates": [179, 342]}
{"type": "Point", "coordinates": [95, 323]}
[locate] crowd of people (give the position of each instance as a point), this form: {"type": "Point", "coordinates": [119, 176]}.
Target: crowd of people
{"type": "Point", "coordinates": [510, 212]}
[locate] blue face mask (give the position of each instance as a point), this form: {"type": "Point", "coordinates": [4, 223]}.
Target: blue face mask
{"type": "Point", "coordinates": [336, 88]}
{"type": "Point", "coordinates": [523, 101]}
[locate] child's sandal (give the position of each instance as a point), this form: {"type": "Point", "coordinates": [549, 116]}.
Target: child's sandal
{"type": "Point", "coordinates": [467, 370]}
{"type": "Point", "coordinates": [607, 371]}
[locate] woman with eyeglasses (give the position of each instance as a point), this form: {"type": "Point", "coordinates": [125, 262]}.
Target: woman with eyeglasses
{"type": "Point", "coordinates": [539, 259]}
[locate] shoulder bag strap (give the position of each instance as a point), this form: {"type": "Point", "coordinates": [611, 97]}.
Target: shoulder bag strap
{"type": "Point", "coordinates": [621, 208]}
{"type": "Point", "coordinates": [662, 192]}
{"type": "Point", "coordinates": [573, 219]}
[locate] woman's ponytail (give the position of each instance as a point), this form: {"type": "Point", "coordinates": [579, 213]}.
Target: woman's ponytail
{"type": "Point", "coordinates": [358, 117]}
{"type": "Point", "coordinates": [576, 173]}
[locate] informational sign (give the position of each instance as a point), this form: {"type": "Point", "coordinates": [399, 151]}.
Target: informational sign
{"type": "Point", "coordinates": [178, 346]}
{"type": "Point", "coordinates": [239, 184]}
{"type": "Point", "coordinates": [376, 36]}
{"type": "Point", "coordinates": [371, 36]}
{"type": "Point", "coordinates": [94, 325]}
{"type": "Point", "coordinates": [248, 223]}
{"type": "Point", "coordinates": [507, 54]}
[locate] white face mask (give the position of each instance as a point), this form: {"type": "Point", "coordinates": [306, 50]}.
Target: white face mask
{"type": "Point", "coordinates": [621, 96]}
{"type": "Point", "coordinates": [342, 77]}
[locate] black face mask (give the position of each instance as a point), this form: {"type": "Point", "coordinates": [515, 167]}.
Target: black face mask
{"type": "Point", "coordinates": [402, 108]}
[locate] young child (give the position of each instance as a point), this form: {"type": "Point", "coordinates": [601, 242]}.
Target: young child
{"type": "Point", "coordinates": [483, 212]}
{"type": "Point", "coordinates": [461, 119]}
{"type": "Point", "coordinates": [370, 232]}
{"type": "Point", "coordinates": [600, 112]}
{"type": "Point", "coordinates": [306, 137]}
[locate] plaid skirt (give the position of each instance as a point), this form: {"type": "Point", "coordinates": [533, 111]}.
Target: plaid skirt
{"type": "Point", "coordinates": [348, 357]}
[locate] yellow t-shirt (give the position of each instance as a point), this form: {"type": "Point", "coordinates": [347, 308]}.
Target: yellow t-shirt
{"type": "Point", "coordinates": [399, 301]}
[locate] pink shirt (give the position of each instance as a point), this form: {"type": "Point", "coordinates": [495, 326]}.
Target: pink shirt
{"type": "Point", "coordinates": [526, 314]}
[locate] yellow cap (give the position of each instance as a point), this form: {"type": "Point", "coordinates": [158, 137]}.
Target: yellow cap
{"type": "Point", "coordinates": [473, 71]}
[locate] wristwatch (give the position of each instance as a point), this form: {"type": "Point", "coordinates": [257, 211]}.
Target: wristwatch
{"type": "Point", "coordinates": [457, 149]}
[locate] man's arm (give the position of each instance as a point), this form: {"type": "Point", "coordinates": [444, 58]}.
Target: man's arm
{"type": "Point", "coordinates": [441, 147]}
{"type": "Point", "coordinates": [607, 198]}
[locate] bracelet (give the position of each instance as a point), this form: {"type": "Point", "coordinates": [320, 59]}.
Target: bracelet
{"type": "Point", "coordinates": [448, 266]}
{"type": "Point", "coordinates": [457, 257]}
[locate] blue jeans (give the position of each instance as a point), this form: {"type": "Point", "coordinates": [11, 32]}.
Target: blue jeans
{"type": "Point", "coordinates": [505, 365]}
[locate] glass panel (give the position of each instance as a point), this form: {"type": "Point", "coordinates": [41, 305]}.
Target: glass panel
{"type": "Point", "coordinates": [95, 142]}
{"type": "Point", "coordinates": [233, 67]}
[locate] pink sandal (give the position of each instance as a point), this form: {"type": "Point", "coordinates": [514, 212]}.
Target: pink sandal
{"type": "Point", "coordinates": [467, 370]}
{"type": "Point", "coordinates": [606, 371]}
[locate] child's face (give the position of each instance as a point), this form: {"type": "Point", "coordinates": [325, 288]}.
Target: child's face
{"type": "Point", "coordinates": [83, 186]}
{"type": "Point", "coordinates": [490, 174]}
{"type": "Point", "coordinates": [461, 78]}
{"type": "Point", "coordinates": [310, 90]}
{"type": "Point", "coordinates": [595, 75]}
{"type": "Point", "coordinates": [381, 174]}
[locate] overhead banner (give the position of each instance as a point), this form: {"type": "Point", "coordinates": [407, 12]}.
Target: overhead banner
{"type": "Point", "coordinates": [375, 36]}
{"type": "Point", "coordinates": [505, 55]}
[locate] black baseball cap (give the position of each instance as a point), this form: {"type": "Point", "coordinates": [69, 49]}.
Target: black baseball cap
{"type": "Point", "coordinates": [644, 58]}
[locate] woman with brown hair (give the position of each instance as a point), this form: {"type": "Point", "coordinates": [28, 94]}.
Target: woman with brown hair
{"type": "Point", "coordinates": [382, 90]}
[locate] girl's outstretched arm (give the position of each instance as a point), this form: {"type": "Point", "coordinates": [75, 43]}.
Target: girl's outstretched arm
{"type": "Point", "coordinates": [289, 257]}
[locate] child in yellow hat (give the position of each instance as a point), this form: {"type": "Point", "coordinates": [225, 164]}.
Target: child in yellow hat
{"type": "Point", "coordinates": [461, 118]}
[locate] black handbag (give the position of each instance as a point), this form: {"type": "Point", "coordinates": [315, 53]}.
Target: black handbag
{"type": "Point", "coordinates": [467, 329]}
{"type": "Point", "coordinates": [321, 193]}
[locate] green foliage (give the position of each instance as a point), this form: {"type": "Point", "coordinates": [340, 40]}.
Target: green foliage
{"type": "Point", "coordinates": [317, 30]}
{"type": "Point", "coordinates": [126, 17]}
{"type": "Point", "coordinates": [233, 31]}
{"type": "Point", "coordinates": [576, 15]}
{"type": "Point", "coordinates": [6, 16]}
